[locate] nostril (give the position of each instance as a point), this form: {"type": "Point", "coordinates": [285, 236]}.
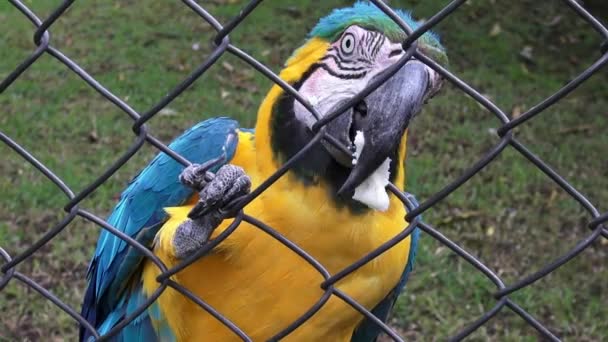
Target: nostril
{"type": "Point", "coordinates": [359, 113]}
{"type": "Point", "coordinates": [395, 53]}
{"type": "Point", "coordinates": [361, 108]}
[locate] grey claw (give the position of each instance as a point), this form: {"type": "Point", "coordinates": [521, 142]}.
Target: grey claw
{"type": "Point", "coordinates": [229, 182]}
{"type": "Point", "coordinates": [193, 176]}
{"type": "Point", "coordinates": [240, 187]}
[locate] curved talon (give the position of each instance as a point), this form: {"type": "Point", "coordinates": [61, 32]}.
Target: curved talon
{"type": "Point", "coordinates": [193, 176]}
{"type": "Point", "coordinates": [217, 201]}
{"type": "Point", "coordinates": [230, 210]}
{"type": "Point", "coordinates": [229, 182]}
{"type": "Point", "coordinates": [196, 176]}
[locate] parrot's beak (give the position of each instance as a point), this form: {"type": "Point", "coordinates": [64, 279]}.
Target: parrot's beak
{"type": "Point", "coordinates": [382, 118]}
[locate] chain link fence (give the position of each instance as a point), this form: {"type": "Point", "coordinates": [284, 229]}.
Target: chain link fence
{"type": "Point", "coordinates": [223, 45]}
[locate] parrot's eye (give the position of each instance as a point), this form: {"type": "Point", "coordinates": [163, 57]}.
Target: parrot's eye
{"type": "Point", "coordinates": [348, 44]}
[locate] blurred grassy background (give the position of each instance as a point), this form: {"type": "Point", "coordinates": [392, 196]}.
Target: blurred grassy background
{"type": "Point", "coordinates": [510, 215]}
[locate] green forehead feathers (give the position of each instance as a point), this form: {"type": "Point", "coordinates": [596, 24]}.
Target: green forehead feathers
{"type": "Point", "coordinates": [370, 17]}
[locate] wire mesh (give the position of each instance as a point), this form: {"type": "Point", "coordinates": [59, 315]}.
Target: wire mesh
{"type": "Point", "coordinates": [223, 45]}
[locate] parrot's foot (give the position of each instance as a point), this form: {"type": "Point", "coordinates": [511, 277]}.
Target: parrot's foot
{"type": "Point", "coordinates": [229, 183]}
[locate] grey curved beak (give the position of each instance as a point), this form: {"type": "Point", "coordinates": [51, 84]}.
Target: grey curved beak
{"type": "Point", "coordinates": [389, 110]}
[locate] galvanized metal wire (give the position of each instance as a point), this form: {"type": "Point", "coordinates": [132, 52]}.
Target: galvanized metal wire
{"type": "Point", "coordinates": [223, 45]}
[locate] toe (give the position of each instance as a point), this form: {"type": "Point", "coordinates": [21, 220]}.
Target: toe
{"type": "Point", "coordinates": [240, 187]}
{"type": "Point", "coordinates": [193, 176]}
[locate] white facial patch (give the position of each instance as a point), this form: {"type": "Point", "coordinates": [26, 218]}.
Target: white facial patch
{"type": "Point", "coordinates": [372, 191]}
{"type": "Point", "coordinates": [349, 64]}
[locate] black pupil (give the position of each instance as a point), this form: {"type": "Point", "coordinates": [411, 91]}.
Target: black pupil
{"type": "Point", "coordinates": [348, 43]}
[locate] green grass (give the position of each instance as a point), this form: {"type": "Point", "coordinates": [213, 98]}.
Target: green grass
{"type": "Point", "coordinates": [510, 215]}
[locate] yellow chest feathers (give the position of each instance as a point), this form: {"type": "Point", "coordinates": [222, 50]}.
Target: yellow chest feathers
{"type": "Point", "coordinates": [263, 286]}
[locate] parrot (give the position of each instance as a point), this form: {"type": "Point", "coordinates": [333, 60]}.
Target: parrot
{"type": "Point", "coordinates": [333, 205]}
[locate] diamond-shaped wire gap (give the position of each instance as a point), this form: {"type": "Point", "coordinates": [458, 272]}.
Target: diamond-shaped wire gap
{"type": "Point", "coordinates": [442, 241]}
{"type": "Point", "coordinates": [570, 148]}
{"type": "Point", "coordinates": [120, 104]}
{"type": "Point", "coordinates": [575, 31]}
{"type": "Point", "coordinates": [183, 85]}
{"type": "Point", "coordinates": [13, 68]}
{"type": "Point", "coordinates": [561, 239]}
{"type": "Point", "coordinates": [461, 160]}
{"type": "Point", "coordinates": [146, 252]}
{"type": "Point", "coordinates": [95, 132]}
{"type": "Point", "coordinates": [583, 242]}
{"type": "Point", "coordinates": [49, 298]}
{"type": "Point", "coordinates": [58, 266]}
{"type": "Point", "coordinates": [563, 92]}
{"type": "Point", "coordinates": [523, 62]}
{"type": "Point", "coordinates": [171, 46]}
{"type": "Point", "coordinates": [117, 164]}
{"type": "Point", "coordinates": [263, 15]}
{"type": "Point", "coordinates": [481, 99]}
{"type": "Point", "coordinates": [296, 21]}
{"type": "Point", "coordinates": [561, 301]}
{"type": "Point", "coordinates": [35, 232]}
{"type": "Point", "coordinates": [512, 217]}
{"type": "Point", "coordinates": [213, 97]}
{"type": "Point", "coordinates": [556, 177]}
{"type": "Point", "coordinates": [224, 94]}
{"type": "Point", "coordinates": [30, 179]}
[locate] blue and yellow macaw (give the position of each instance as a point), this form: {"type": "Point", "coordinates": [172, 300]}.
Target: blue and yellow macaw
{"type": "Point", "coordinates": [330, 204]}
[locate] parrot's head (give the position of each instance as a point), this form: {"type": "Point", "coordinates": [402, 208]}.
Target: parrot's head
{"type": "Point", "coordinates": [344, 52]}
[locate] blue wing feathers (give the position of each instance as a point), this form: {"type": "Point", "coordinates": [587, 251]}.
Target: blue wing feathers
{"type": "Point", "coordinates": [141, 206]}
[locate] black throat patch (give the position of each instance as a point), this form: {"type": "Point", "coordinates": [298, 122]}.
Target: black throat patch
{"type": "Point", "coordinates": [289, 135]}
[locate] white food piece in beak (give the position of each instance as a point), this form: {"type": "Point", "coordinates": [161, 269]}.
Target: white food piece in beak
{"type": "Point", "coordinates": [372, 191]}
{"type": "Point", "coordinates": [359, 142]}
